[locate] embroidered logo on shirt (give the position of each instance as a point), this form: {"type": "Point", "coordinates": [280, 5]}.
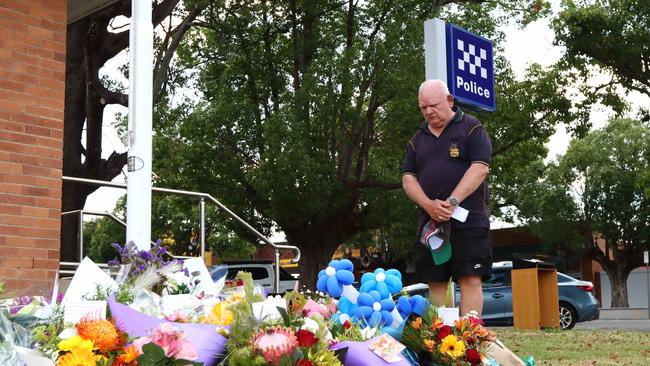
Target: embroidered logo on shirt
{"type": "Point", "coordinates": [454, 152]}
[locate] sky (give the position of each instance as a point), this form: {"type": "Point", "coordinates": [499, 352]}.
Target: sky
{"type": "Point", "coordinates": [533, 44]}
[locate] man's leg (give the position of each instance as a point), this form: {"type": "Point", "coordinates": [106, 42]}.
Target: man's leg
{"type": "Point", "coordinates": [471, 294]}
{"type": "Point", "coordinates": [437, 293]}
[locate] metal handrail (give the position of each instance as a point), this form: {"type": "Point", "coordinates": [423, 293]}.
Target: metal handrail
{"type": "Point", "coordinates": [81, 213]}
{"type": "Point", "coordinates": [202, 196]}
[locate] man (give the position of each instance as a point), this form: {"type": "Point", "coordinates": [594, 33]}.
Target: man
{"type": "Point", "coordinates": [447, 161]}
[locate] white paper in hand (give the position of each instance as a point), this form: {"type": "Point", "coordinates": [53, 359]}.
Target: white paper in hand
{"type": "Point", "coordinates": [460, 214]}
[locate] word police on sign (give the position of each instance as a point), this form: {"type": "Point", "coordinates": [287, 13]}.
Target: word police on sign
{"type": "Point", "coordinates": [464, 60]}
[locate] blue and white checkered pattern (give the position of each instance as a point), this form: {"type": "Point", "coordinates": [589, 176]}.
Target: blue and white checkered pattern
{"type": "Point", "coordinates": [472, 60]}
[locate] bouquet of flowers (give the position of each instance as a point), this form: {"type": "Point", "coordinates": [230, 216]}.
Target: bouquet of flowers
{"type": "Point", "coordinates": [299, 337]}
{"type": "Point", "coordinates": [436, 343]}
{"type": "Point", "coordinates": [102, 342]}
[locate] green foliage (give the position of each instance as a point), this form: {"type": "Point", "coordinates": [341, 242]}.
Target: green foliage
{"type": "Point", "coordinates": [598, 190]}
{"type": "Point", "coordinates": [154, 355]}
{"type": "Point", "coordinates": [46, 333]}
{"type": "Point", "coordinates": [610, 34]}
{"type": "Point", "coordinates": [306, 111]}
{"type": "Point", "coordinates": [601, 180]}
{"type": "Point", "coordinates": [101, 232]}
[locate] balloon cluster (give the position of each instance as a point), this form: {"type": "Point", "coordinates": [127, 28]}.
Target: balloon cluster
{"type": "Point", "coordinates": [372, 305]}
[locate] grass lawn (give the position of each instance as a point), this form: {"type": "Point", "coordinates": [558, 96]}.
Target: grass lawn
{"type": "Point", "coordinates": [578, 347]}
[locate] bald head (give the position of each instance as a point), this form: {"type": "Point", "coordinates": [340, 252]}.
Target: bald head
{"type": "Point", "coordinates": [435, 103]}
{"type": "Point", "coordinates": [434, 86]}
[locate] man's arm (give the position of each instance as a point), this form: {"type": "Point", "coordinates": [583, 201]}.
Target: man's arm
{"type": "Point", "coordinates": [438, 210]}
{"type": "Point", "coordinates": [474, 177]}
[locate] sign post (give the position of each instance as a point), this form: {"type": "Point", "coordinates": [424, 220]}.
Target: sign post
{"type": "Point", "coordinates": [646, 260]}
{"type": "Point", "coordinates": [464, 60]}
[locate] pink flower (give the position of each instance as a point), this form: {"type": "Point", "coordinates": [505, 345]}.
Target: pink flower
{"type": "Point", "coordinates": [171, 340]}
{"type": "Point", "coordinates": [177, 317]}
{"type": "Point", "coordinates": [312, 307]}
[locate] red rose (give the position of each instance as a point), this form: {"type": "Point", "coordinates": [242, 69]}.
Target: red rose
{"type": "Point", "coordinates": [443, 332]}
{"type": "Point", "coordinates": [304, 363]}
{"type": "Point", "coordinates": [472, 356]}
{"type": "Point", "coordinates": [347, 324]}
{"type": "Point", "coordinates": [306, 338]}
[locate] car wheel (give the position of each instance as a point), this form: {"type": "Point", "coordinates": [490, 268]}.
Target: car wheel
{"type": "Point", "coordinates": [568, 316]}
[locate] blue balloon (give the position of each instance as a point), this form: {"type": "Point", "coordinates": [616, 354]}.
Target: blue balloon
{"type": "Point", "coordinates": [374, 311]}
{"type": "Point", "coordinates": [409, 305]}
{"type": "Point", "coordinates": [385, 282]}
{"type": "Point", "coordinates": [337, 274]}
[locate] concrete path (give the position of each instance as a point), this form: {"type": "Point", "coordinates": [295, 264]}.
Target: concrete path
{"type": "Point", "coordinates": [607, 324]}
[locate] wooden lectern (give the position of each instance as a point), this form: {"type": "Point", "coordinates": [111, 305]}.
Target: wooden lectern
{"type": "Point", "coordinates": [535, 302]}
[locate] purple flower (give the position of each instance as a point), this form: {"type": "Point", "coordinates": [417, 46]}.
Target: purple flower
{"type": "Point", "coordinates": [146, 255]}
{"type": "Point", "coordinates": [19, 303]}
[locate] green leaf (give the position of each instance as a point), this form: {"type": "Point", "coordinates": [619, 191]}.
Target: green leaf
{"type": "Point", "coordinates": [153, 351]}
{"type": "Point", "coordinates": [285, 316]}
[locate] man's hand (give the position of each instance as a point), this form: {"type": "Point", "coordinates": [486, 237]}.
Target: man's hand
{"type": "Point", "coordinates": [439, 211]}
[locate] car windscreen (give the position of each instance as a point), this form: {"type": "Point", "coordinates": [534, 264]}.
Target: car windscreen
{"type": "Point", "coordinates": [562, 278]}
{"type": "Point", "coordinates": [285, 276]}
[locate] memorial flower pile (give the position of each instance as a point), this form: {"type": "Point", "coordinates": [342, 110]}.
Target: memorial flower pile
{"type": "Point", "coordinates": [164, 312]}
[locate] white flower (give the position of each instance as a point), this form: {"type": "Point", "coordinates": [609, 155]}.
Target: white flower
{"type": "Point", "coordinates": [368, 332]}
{"type": "Point", "coordinates": [310, 325]}
{"type": "Point", "coordinates": [313, 326]}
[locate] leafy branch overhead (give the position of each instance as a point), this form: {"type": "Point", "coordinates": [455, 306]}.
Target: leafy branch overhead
{"type": "Point", "coordinates": [306, 109]}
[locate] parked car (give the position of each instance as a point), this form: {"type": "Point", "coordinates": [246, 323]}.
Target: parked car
{"type": "Point", "coordinates": [577, 300]}
{"type": "Point", "coordinates": [262, 271]}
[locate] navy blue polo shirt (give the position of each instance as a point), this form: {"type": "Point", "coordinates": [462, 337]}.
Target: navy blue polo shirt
{"type": "Point", "coordinates": [439, 163]}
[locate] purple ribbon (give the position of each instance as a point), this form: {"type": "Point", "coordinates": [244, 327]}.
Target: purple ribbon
{"type": "Point", "coordinates": [210, 345]}
{"type": "Point", "coordinates": [360, 355]}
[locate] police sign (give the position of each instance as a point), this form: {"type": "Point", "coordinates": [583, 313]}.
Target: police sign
{"type": "Point", "coordinates": [464, 60]}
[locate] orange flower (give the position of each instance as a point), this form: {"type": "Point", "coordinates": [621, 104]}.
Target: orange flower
{"type": "Point", "coordinates": [461, 323]}
{"type": "Point", "coordinates": [436, 324]}
{"type": "Point", "coordinates": [417, 323]}
{"type": "Point", "coordinates": [128, 358]}
{"type": "Point", "coordinates": [430, 344]}
{"type": "Point", "coordinates": [106, 336]}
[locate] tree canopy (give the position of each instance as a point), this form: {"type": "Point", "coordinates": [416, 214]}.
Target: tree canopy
{"type": "Point", "coordinates": [307, 108]}
{"type": "Point", "coordinates": [594, 201]}
{"type": "Point", "coordinates": [610, 34]}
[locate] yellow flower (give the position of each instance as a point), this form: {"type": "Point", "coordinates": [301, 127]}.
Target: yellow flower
{"type": "Point", "coordinates": [79, 356]}
{"type": "Point", "coordinates": [220, 315]}
{"type": "Point", "coordinates": [75, 342]}
{"type": "Point", "coordinates": [452, 347]}
{"type": "Point", "coordinates": [236, 297]}
{"type": "Point", "coordinates": [430, 345]}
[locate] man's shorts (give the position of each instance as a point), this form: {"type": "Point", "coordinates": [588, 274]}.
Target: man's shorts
{"type": "Point", "coordinates": [471, 254]}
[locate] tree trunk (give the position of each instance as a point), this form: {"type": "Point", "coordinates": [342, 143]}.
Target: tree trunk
{"type": "Point", "coordinates": [73, 197]}
{"type": "Point", "coordinates": [618, 280]}
{"type": "Point", "coordinates": [316, 252]}
{"type": "Point", "coordinates": [315, 257]}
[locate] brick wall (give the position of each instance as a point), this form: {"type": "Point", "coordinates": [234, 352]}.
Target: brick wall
{"type": "Point", "coordinates": [32, 84]}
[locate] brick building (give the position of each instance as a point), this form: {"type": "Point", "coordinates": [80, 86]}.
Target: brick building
{"type": "Point", "coordinates": [32, 97]}
{"type": "Point", "coordinates": [32, 94]}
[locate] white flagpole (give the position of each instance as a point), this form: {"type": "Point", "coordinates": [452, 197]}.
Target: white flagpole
{"type": "Point", "coordinates": [138, 198]}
